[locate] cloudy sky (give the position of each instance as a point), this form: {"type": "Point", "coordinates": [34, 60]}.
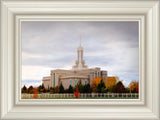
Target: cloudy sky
{"type": "Point", "coordinates": [48, 45]}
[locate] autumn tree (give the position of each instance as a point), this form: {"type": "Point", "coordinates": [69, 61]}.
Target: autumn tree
{"type": "Point", "coordinates": [56, 90]}
{"type": "Point", "coordinates": [134, 87]}
{"type": "Point", "coordinates": [120, 87]}
{"type": "Point", "coordinates": [94, 84]}
{"type": "Point", "coordinates": [35, 93]}
{"type": "Point", "coordinates": [111, 83]}
{"type": "Point", "coordinates": [77, 93]}
{"type": "Point", "coordinates": [96, 80]}
{"type": "Point", "coordinates": [94, 88]}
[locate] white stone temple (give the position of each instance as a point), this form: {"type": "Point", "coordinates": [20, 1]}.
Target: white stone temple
{"type": "Point", "coordinates": [79, 71]}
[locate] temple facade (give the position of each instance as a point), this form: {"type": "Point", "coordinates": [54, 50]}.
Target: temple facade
{"type": "Point", "coordinates": [79, 72]}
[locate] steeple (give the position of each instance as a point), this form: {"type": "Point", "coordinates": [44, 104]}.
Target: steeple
{"type": "Point", "coordinates": [80, 47]}
{"type": "Point", "coordinates": [80, 39]}
{"type": "Point", "coordinates": [80, 63]}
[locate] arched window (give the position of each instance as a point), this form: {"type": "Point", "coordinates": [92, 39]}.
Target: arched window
{"type": "Point", "coordinates": [75, 83]}
{"type": "Point", "coordinates": [70, 82]}
{"type": "Point", "coordinates": [85, 82]}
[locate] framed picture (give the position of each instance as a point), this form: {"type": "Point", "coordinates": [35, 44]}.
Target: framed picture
{"type": "Point", "coordinates": [80, 59]}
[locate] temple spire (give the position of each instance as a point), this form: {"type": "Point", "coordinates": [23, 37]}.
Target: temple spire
{"type": "Point", "coordinates": [80, 63]}
{"type": "Point", "coordinates": [80, 39]}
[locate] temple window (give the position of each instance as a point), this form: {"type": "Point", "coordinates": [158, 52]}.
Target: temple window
{"type": "Point", "coordinates": [75, 83]}
{"type": "Point", "coordinates": [85, 82]}
{"type": "Point", "coordinates": [70, 82]}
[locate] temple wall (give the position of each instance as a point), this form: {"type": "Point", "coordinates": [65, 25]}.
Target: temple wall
{"type": "Point", "coordinates": [67, 82]}
{"type": "Point", "coordinates": [58, 76]}
{"type": "Point", "coordinates": [47, 84]}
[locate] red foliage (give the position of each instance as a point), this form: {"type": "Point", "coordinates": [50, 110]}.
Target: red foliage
{"type": "Point", "coordinates": [137, 88]}
{"type": "Point", "coordinates": [134, 86]}
{"type": "Point", "coordinates": [77, 93]}
{"type": "Point", "coordinates": [35, 93]}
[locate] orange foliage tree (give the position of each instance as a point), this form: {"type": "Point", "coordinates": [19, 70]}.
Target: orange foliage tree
{"type": "Point", "coordinates": [95, 83]}
{"type": "Point", "coordinates": [111, 81]}
{"type": "Point", "coordinates": [134, 86]}
{"type": "Point", "coordinates": [56, 90]}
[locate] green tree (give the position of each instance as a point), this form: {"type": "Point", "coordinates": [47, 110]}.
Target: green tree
{"type": "Point", "coordinates": [48, 90]}
{"type": "Point", "coordinates": [52, 89]}
{"type": "Point", "coordinates": [39, 88]}
{"type": "Point", "coordinates": [70, 90]}
{"type": "Point", "coordinates": [103, 90]}
{"type": "Point", "coordinates": [61, 88]}
{"type": "Point", "coordinates": [80, 86]}
{"type": "Point", "coordinates": [43, 89]}
{"type": "Point", "coordinates": [43, 86]}
{"type": "Point", "coordinates": [30, 89]}
{"type": "Point", "coordinates": [87, 88]}
{"type": "Point", "coordinates": [113, 89]}
{"type": "Point", "coordinates": [100, 86]}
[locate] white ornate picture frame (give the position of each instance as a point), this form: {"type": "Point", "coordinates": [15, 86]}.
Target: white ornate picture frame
{"type": "Point", "coordinates": [14, 11]}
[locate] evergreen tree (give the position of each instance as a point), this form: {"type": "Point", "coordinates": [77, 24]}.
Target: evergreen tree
{"type": "Point", "coordinates": [103, 90]}
{"type": "Point", "coordinates": [42, 86]}
{"type": "Point", "coordinates": [80, 87]}
{"type": "Point", "coordinates": [66, 90]}
{"type": "Point", "coordinates": [48, 90]}
{"type": "Point", "coordinates": [87, 88]}
{"type": "Point", "coordinates": [120, 87]}
{"type": "Point", "coordinates": [24, 89]}
{"type": "Point", "coordinates": [39, 88]}
{"type": "Point", "coordinates": [30, 87]}
{"type": "Point", "coordinates": [52, 89]}
{"type": "Point", "coordinates": [70, 90]}
{"type": "Point", "coordinates": [61, 88]}
{"type": "Point", "coordinates": [100, 86]}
